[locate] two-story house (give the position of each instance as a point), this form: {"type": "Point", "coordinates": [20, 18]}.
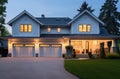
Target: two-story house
{"type": "Point", "coordinates": [48, 36]}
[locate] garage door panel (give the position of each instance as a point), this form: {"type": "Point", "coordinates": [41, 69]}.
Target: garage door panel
{"type": "Point", "coordinates": [44, 51]}
{"type": "Point", "coordinates": [50, 51]}
{"type": "Point", "coordinates": [56, 51]}
{"type": "Point", "coordinates": [23, 51]}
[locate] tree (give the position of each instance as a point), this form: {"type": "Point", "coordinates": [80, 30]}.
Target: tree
{"type": "Point", "coordinates": [110, 16]}
{"type": "Point", "coordinates": [3, 30]}
{"type": "Point", "coordinates": [85, 6]}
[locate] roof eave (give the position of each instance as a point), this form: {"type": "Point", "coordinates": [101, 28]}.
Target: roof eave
{"type": "Point", "coordinates": [22, 13]}
{"type": "Point", "coordinates": [89, 14]}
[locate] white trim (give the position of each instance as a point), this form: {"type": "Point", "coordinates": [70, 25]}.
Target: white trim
{"type": "Point", "coordinates": [22, 13]}
{"type": "Point", "coordinates": [86, 11]}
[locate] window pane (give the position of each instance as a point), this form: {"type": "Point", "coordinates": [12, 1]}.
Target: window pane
{"type": "Point", "coordinates": [84, 28]}
{"type": "Point", "coordinates": [88, 28]}
{"type": "Point", "coordinates": [49, 29]}
{"type": "Point", "coordinates": [21, 28]}
{"type": "Point", "coordinates": [80, 28]}
{"type": "Point", "coordinates": [30, 28]}
{"type": "Point", "coordinates": [58, 29]}
{"type": "Point", "coordinates": [25, 28]}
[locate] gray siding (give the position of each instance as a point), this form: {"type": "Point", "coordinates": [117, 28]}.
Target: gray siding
{"type": "Point", "coordinates": [25, 20]}
{"type": "Point", "coordinates": [85, 19]}
{"type": "Point", "coordinates": [64, 30]}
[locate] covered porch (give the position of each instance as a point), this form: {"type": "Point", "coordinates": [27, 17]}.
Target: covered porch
{"type": "Point", "coordinates": [91, 43]}
{"type": "Point", "coordinates": [93, 46]}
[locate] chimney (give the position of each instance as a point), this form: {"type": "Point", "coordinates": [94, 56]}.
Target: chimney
{"type": "Point", "coordinates": [43, 16]}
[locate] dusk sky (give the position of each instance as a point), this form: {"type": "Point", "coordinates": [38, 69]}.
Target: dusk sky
{"type": "Point", "coordinates": [50, 8]}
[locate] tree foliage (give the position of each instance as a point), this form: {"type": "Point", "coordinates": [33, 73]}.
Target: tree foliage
{"type": "Point", "coordinates": [85, 6]}
{"type": "Point", "coordinates": [110, 16]}
{"type": "Point", "coordinates": [3, 29]}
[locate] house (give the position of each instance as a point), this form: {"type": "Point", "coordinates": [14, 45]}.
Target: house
{"type": "Point", "coordinates": [48, 36]}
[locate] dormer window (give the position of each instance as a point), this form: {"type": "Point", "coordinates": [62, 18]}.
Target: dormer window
{"type": "Point", "coordinates": [25, 28]}
{"type": "Point", "coordinates": [58, 29]}
{"type": "Point", "coordinates": [84, 28]}
{"type": "Point", "coordinates": [49, 29]}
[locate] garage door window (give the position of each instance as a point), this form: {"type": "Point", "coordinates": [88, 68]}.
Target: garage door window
{"type": "Point", "coordinates": [29, 45]}
{"type": "Point", "coordinates": [18, 45]}
{"type": "Point", "coordinates": [44, 45]}
{"type": "Point", "coordinates": [56, 45]}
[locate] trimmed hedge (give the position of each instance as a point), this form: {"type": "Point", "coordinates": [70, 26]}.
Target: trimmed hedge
{"type": "Point", "coordinates": [113, 56]}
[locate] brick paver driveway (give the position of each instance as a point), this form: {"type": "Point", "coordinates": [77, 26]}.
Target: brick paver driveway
{"type": "Point", "coordinates": [33, 68]}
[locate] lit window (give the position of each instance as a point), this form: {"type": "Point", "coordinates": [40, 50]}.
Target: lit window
{"type": "Point", "coordinates": [84, 28]}
{"type": "Point", "coordinates": [88, 28]}
{"type": "Point", "coordinates": [49, 29]}
{"type": "Point", "coordinates": [58, 29]}
{"type": "Point", "coordinates": [30, 28]}
{"type": "Point", "coordinates": [25, 28]}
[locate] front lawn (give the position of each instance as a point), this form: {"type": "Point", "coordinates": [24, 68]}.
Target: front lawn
{"type": "Point", "coordinates": [94, 69]}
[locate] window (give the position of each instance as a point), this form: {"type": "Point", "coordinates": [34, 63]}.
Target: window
{"type": "Point", "coordinates": [84, 28]}
{"type": "Point", "coordinates": [58, 29]}
{"type": "Point", "coordinates": [49, 29]}
{"type": "Point", "coordinates": [25, 28]}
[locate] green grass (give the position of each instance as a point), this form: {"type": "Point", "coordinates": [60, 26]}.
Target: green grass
{"type": "Point", "coordinates": [94, 69]}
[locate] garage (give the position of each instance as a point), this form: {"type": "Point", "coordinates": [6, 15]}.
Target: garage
{"type": "Point", "coordinates": [50, 50]}
{"type": "Point", "coordinates": [23, 50]}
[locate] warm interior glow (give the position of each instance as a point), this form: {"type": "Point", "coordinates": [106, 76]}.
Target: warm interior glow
{"type": "Point", "coordinates": [30, 28]}
{"type": "Point", "coordinates": [88, 28]}
{"type": "Point", "coordinates": [49, 29]}
{"type": "Point", "coordinates": [25, 28]}
{"type": "Point", "coordinates": [81, 46]}
{"type": "Point", "coordinates": [58, 29]}
{"type": "Point", "coordinates": [84, 28]}
{"type": "Point", "coordinates": [21, 28]}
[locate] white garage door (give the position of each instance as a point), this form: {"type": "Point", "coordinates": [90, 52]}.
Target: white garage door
{"type": "Point", "coordinates": [23, 51]}
{"type": "Point", "coordinates": [50, 50]}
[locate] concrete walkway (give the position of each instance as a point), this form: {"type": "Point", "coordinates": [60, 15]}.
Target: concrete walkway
{"type": "Point", "coordinates": [33, 68]}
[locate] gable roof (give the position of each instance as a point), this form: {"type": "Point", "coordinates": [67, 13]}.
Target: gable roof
{"type": "Point", "coordinates": [21, 14]}
{"type": "Point", "coordinates": [62, 21]}
{"type": "Point", "coordinates": [86, 11]}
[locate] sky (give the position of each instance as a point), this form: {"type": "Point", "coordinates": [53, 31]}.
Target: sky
{"type": "Point", "coordinates": [50, 8]}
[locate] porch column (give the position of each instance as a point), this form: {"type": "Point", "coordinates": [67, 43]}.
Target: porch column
{"type": "Point", "coordinates": [69, 42]}
{"type": "Point", "coordinates": [113, 46]}
{"type": "Point", "coordinates": [10, 49]}
{"type": "Point", "coordinates": [36, 49]}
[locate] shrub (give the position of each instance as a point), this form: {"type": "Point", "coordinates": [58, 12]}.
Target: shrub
{"type": "Point", "coordinates": [67, 56]}
{"type": "Point", "coordinates": [74, 53]}
{"type": "Point", "coordinates": [69, 50]}
{"type": "Point", "coordinates": [90, 54]}
{"type": "Point", "coordinates": [113, 56]}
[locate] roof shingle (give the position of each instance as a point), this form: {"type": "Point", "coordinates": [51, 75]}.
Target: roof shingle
{"type": "Point", "coordinates": [62, 21]}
